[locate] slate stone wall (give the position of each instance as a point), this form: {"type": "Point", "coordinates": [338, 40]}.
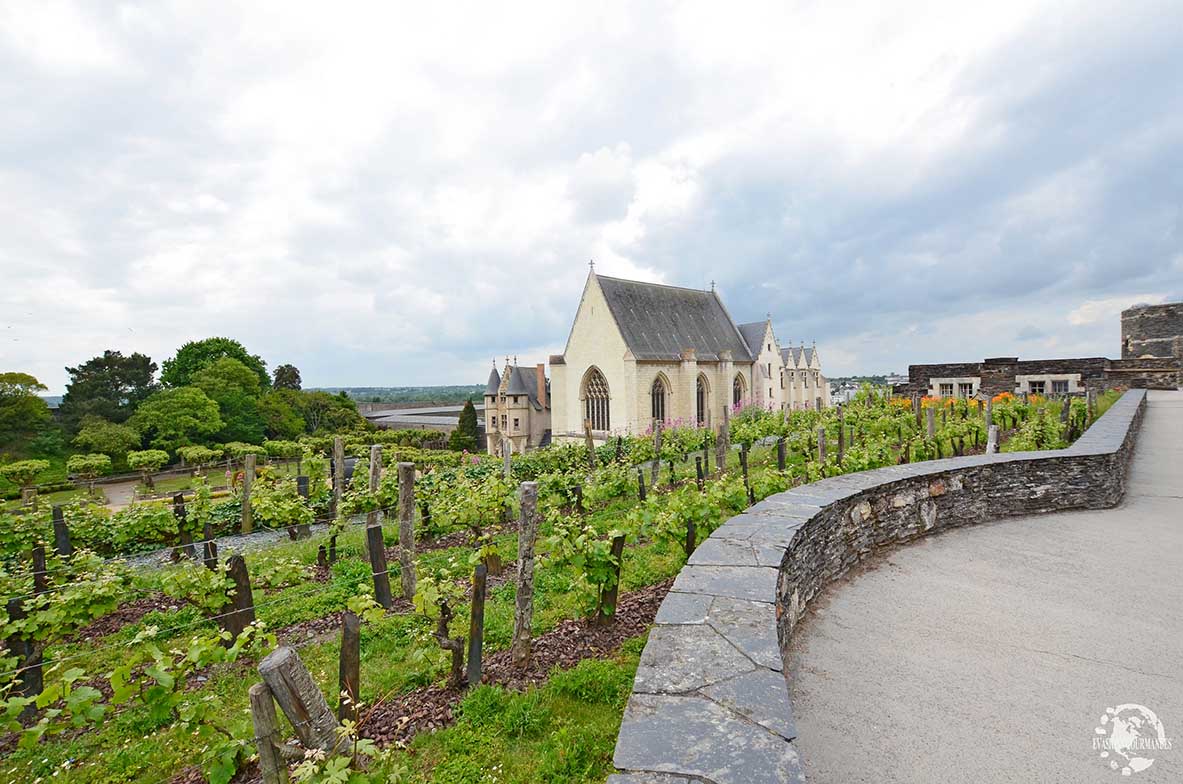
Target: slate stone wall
{"type": "Point", "coordinates": [710, 702]}
{"type": "Point", "coordinates": [1152, 331]}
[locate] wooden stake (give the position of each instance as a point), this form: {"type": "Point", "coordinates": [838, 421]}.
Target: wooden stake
{"type": "Point", "coordinates": [821, 445]}
{"type": "Point", "coordinates": [657, 452]}
{"type": "Point", "coordinates": [183, 526]}
{"type": "Point", "coordinates": [242, 603]}
{"type": "Point", "coordinates": [640, 484]}
{"type": "Point", "coordinates": [322, 557]}
{"type": "Point", "coordinates": [303, 530]}
{"type": "Point", "coordinates": [349, 669]}
{"type": "Point", "coordinates": [40, 573]}
{"type": "Point", "coordinates": [299, 698]}
{"type": "Point", "coordinates": [591, 445]}
{"type": "Point", "coordinates": [406, 528]}
{"type": "Point", "coordinates": [992, 440]}
{"type": "Point", "coordinates": [378, 566]}
{"type": "Point", "coordinates": [267, 737]}
{"type": "Point", "coordinates": [338, 473]}
{"type": "Point", "coordinates": [61, 534]}
{"type": "Point", "coordinates": [523, 614]}
{"type": "Point", "coordinates": [841, 434]}
{"type": "Point", "coordinates": [781, 454]}
{"type": "Point", "coordinates": [699, 478]}
{"type": "Point", "coordinates": [210, 548]}
{"type": "Point", "coordinates": [476, 623]}
{"type": "Point", "coordinates": [932, 423]}
{"type": "Point", "coordinates": [29, 661]}
{"type": "Point", "coordinates": [248, 478]}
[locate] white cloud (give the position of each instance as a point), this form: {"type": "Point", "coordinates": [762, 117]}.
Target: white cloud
{"type": "Point", "coordinates": [392, 194]}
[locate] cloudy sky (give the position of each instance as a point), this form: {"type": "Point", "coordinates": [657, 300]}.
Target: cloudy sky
{"type": "Point", "coordinates": [396, 193]}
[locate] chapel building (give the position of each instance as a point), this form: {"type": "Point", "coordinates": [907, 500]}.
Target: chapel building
{"type": "Point", "coordinates": [641, 353]}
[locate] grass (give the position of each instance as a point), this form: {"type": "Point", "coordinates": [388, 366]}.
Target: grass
{"type": "Point", "coordinates": [576, 746]}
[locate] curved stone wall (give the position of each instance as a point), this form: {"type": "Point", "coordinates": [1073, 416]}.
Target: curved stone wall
{"type": "Point", "coordinates": [710, 702]}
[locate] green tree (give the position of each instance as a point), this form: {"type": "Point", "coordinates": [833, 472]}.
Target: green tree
{"type": "Point", "coordinates": [331, 413]}
{"type": "Point", "coordinates": [108, 438]}
{"type": "Point", "coordinates": [109, 386]}
{"type": "Point", "coordinates": [147, 463]}
{"type": "Point", "coordinates": [236, 389]}
{"type": "Point", "coordinates": [24, 473]}
{"type": "Point", "coordinates": [176, 417]}
{"type": "Point", "coordinates": [465, 435]}
{"type": "Point", "coordinates": [23, 415]}
{"type": "Point", "coordinates": [89, 468]}
{"type": "Point", "coordinates": [194, 355]}
{"type": "Point", "coordinates": [286, 377]}
{"type": "Point", "coordinates": [280, 411]}
{"type": "Point", "coordinates": [199, 456]}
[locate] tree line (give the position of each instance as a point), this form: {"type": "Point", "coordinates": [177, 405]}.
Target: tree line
{"type": "Point", "coordinates": [210, 392]}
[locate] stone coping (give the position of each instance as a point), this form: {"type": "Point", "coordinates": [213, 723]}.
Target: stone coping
{"type": "Point", "coordinates": [710, 702]}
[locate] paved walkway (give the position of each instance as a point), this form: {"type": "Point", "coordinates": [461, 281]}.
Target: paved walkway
{"type": "Point", "coordinates": [990, 653]}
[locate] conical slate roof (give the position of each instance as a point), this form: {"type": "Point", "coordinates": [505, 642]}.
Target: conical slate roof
{"type": "Point", "coordinates": [494, 382]}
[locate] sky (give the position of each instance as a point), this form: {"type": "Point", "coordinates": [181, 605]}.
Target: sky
{"type": "Point", "coordinates": [394, 194]}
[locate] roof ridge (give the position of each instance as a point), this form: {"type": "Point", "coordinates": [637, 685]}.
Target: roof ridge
{"type": "Point", "coordinates": [660, 285]}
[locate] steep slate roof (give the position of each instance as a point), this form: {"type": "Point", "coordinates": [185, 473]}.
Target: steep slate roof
{"type": "Point", "coordinates": [524, 382]}
{"type": "Point", "coordinates": [660, 322]}
{"type": "Point", "coordinates": [494, 382]}
{"type": "Point", "coordinates": [795, 351]}
{"type": "Point", "coordinates": [808, 355]}
{"type": "Point", "coordinates": [753, 336]}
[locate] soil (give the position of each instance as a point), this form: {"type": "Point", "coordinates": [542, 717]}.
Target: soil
{"type": "Point", "coordinates": [126, 614]}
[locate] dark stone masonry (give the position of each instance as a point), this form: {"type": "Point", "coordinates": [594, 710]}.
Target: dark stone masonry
{"type": "Point", "coordinates": [710, 702]}
{"type": "Point", "coordinates": [1152, 331]}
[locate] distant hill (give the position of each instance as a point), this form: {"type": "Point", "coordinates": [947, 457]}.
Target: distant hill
{"type": "Point", "coordinates": [441, 394]}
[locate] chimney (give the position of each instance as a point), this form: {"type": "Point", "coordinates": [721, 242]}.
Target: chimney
{"type": "Point", "coordinates": [540, 382]}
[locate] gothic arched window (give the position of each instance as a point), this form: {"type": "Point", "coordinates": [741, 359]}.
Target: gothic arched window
{"type": "Point", "coordinates": [657, 400]}
{"type": "Point", "coordinates": [737, 390]}
{"type": "Point", "coordinates": [595, 400]}
{"type": "Point", "coordinates": [701, 395]}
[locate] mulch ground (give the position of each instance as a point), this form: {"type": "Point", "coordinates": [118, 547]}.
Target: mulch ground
{"type": "Point", "coordinates": [126, 614]}
{"type": "Point", "coordinates": [431, 707]}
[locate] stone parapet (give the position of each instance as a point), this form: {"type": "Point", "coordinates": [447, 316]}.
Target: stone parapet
{"type": "Point", "coordinates": [710, 702]}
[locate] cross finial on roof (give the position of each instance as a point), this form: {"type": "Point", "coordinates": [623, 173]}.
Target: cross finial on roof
{"type": "Point", "coordinates": [515, 360]}
{"type": "Point", "coordinates": [591, 265]}
{"type": "Point", "coordinates": [712, 285]}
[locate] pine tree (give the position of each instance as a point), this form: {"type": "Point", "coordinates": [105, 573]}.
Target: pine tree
{"type": "Point", "coordinates": [465, 434]}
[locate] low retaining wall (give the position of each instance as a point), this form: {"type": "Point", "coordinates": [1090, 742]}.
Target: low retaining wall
{"type": "Point", "coordinates": [710, 702]}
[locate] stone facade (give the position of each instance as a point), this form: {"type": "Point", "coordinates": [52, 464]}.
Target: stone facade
{"type": "Point", "coordinates": [696, 383]}
{"type": "Point", "coordinates": [1044, 376]}
{"type": "Point", "coordinates": [710, 702]}
{"type": "Point", "coordinates": [517, 408]}
{"type": "Point", "coordinates": [1152, 331]}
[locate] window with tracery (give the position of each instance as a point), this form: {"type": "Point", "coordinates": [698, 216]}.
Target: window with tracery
{"type": "Point", "coordinates": [595, 400]}
{"type": "Point", "coordinates": [657, 400]}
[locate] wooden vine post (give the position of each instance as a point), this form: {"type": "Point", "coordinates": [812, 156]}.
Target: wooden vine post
{"type": "Point", "coordinates": [523, 611]}
{"type": "Point", "coordinates": [40, 572]}
{"type": "Point", "coordinates": [267, 737]}
{"type": "Point", "coordinates": [29, 654]}
{"type": "Point", "coordinates": [931, 420]}
{"type": "Point", "coordinates": [743, 464]}
{"type": "Point", "coordinates": [338, 474]}
{"type": "Point", "coordinates": [248, 478]}
{"type": "Point", "coordinates": [841, 434]}
{"type": "Point", "coordinates": [821, 445]}
{"type": "Point", "coordinates": [781, 456]}
{"type": "Point", "coordinates": [724, 445]}
{"type": "Point", "coordinates": [61, 534]}
{"type": "Point", "coordinates": [209, 548]}
{"type": "Point", "coordinates": [640, 484]}
{"type": "Point", "coordinates": [656, 454]}
{"type": "Point", "coordinates": [591, 444]}
{"type": "Point", "coordinates": [242, 603]}
{"type": "Point", "coordinates": [476, 623]}
{"type": "Point", "coordinates": [406, 528]}
{"type": "Point", "coordinates": [349, 670]}
{"type": "Point", "coordinates": [299, 698]}
{"type": "Point", "coordinates": [303, 530]}
{"type": "Point", "coordinates": [699, 477]}
{"type": "Point", "coordinates": [916, 408]}
{"type": "Point", "coordinates": [992, 440]}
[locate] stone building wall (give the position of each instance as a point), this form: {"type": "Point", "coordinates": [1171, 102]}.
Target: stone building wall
{"type": "Point", "coordinates": [1152, 331]}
